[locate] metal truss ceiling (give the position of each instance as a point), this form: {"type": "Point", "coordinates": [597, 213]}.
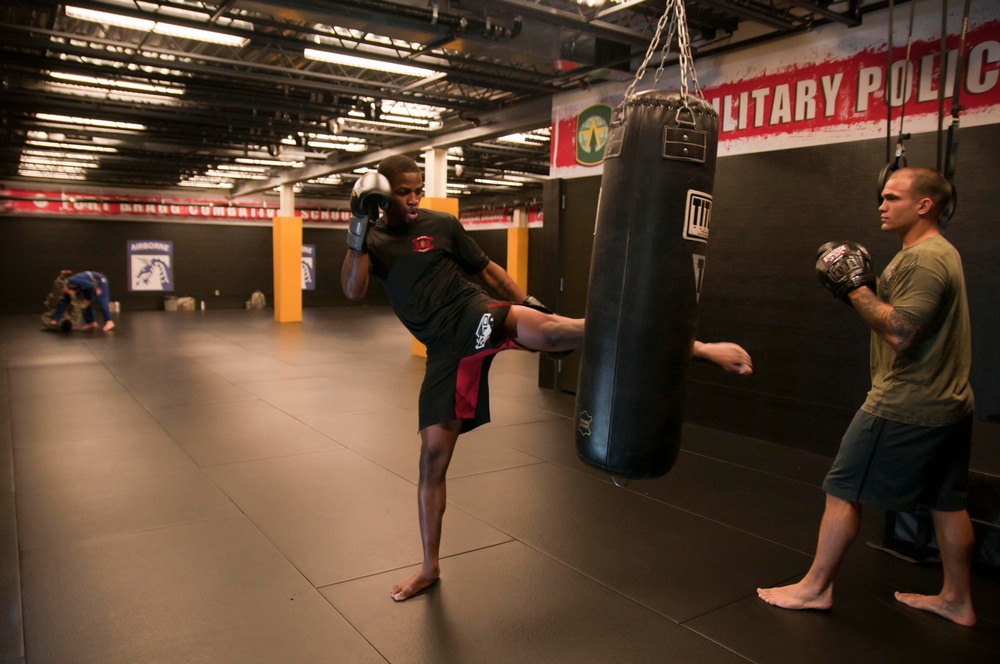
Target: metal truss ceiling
{"type": "Point", "coordinates": [203, 106]}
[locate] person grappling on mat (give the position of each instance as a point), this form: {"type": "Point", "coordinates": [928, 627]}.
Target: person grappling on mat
{"type": "Point", "coordinates": [909, 443]}
{"type": "Point", "coordinates": [422, 258]}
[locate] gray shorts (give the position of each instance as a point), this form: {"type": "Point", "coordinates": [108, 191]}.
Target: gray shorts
{"type": "Point", "coordinates": [899, 467]}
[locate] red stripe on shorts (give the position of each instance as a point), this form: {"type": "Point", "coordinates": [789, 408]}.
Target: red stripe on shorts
{"type": "Point", "coordinates": [470, 371]}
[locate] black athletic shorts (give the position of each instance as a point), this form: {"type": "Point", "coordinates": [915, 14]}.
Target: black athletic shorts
{"type": "Point", "coordinates": [899, 467]}
{"type": "Point", "coordinates": [455, 383]}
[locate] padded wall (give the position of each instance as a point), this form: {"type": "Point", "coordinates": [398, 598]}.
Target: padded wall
{"type": "Point", "coordinates": [772, 210]}
{"type": "Point", "coordinates": [235, 260]}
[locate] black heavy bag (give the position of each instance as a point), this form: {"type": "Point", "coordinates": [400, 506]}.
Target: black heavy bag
{"type": "Point", "coordinates": [645, 277]}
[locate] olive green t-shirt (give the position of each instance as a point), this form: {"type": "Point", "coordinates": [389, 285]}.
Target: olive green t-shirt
{"type": "Point", "coordinates": [927, 384]}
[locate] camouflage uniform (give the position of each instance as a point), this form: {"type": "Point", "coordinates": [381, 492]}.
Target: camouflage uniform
{"type": "Point", "coordinates": [72, 314]}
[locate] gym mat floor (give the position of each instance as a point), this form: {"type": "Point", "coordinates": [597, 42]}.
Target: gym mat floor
{"type": "Point", "coordinates": [217, 487]}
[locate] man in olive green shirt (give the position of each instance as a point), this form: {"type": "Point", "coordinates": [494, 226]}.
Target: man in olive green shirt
{"type": "Point", "coordinates": [909, 443]}
{"type": "Point", "coordinates": [72, 316]}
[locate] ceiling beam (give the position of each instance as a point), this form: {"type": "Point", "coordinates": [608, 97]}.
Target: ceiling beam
{"type": "Point", "coordinates": [847, 19]}
{"type": "Point", "coordinates": [520, 117]}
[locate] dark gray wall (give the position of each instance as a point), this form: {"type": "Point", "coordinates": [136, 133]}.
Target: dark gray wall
{"type": "Point", "coordinates": [235, 260]}
{"type": "Point", "coordinates": [810, 352]}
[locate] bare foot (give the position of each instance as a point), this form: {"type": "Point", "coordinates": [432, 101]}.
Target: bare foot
{"type": "Point", "coordinates": [796, 597]}
{"type": "Point", "coordinates": [110, 325]}
{"type": "Point", "coordinates": [411, 586]}
{"type": "Point", "coordinates": [89, 326]}
{"type": "Point", "coordinates": [960, 614]}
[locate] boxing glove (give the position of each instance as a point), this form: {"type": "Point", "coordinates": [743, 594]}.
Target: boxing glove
{"type": "Point", "coordinates": [371, 192]}
{"type": "Point", "coordinates": [357, 232]}
{"type": "Point", "coordinates": [844, 266]}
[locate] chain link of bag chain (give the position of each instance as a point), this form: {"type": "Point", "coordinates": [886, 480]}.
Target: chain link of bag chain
{"type": "Point", "coordinates": [677, 24]}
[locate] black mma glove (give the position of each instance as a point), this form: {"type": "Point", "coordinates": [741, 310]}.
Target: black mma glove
{"type": "Point", "coordinates": [533, 302]}
{"type": "Point", "coordinates": [357, 233]}
{"type": "Point", "coordinates": [371, 192]}
{"type": "Point", "coordinates": [844, 266]}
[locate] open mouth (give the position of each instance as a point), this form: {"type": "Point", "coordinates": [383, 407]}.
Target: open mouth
{"type": "Point", "coordinates": [411, 214]}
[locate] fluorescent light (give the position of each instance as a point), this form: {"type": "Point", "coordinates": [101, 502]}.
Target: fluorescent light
{"type": "Point", "coordinates": [241, 168]}
{"type": "Point", "coordinates": [233, 174]}
{"type": "Point", "coordinates": [89, 122]}
{"type": "Point", "coordinates": [366, 63]}
{"type": "Point", "coordinates": [347, 147]}
{"type": "Point", "coordinates": [328, 179]}
{"type": "Point", "coordinates": [393, 125]}
{"type": "Point", "coordinates": [405, 119]}
{"type": "Point", "coordinates": [70, 146]}
{"type": "Point", "coordinates": [47, 154]}
{"type": "Point", "coordinates": [137, 86]}
{"type": "Point", "coordinates": [206, 184]}
{"type": "Point", "coordinates": [526, 138]}
{"type": "Point", "coordinates": [145, 25]}
{"type": "Point", "coordinates": [200, 35]}
{"type": "Point", "coordinates": [30, 173]}
{"type": "Point", "coordinates": [499, 183]}
{"type": "Point", "coordinates": [113, 95]}
{"type": "Point", "coordinates": [269, 162]}
{"type": "Point", "coordinates": [45, 161]}
{"type": "Point", "coordinates": [412, 110]}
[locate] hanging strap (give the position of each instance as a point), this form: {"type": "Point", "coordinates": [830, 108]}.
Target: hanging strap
{"type": "Point", "coordinates": [956, 106]}
{"type": "Point", "coordinates": [951, 150]}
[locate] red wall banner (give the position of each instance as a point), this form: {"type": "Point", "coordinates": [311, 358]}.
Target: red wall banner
{"type": "Point", "coordinates": [827, 86]}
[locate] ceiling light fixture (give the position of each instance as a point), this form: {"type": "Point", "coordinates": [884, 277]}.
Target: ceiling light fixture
{"type": "Point", "coordinates": [269, 162]}
{"type": "Point", "coordinates": [499, 183]}
{"type": "Point", "coordinates": [347, 147]}
{"type": "Point", "coordinates": [145, 25]}
{"type": "Point", "coordinates": [46, 161]}
{"type": "Point", "coordinates": [69, 146]}
{"type": "Point", "coordinates": [367, 63]}
{"type": "Point", "coordinates": [89, 122]}
{"type": "Point", "coordinates": [153, 87]}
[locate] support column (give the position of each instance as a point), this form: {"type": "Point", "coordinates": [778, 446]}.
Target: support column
{"type": "Point", "coordinates": [436, 173]}
{"type": "Point", "coordinates": [517, 248]}
{"type": "Point", "coordinates": [449, 205]}
{"type": "Point", "coordinates": [286, 240]}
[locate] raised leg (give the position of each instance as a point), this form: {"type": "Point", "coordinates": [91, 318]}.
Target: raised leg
{"type": "Point", "coordinates": [545, 332]}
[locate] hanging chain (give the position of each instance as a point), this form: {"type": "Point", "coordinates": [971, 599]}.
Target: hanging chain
{"type": "Point", "coordinates": [684, 49]}
{"type": "Point", "coordinates": [649, 52]}
{"type": "Point", "coordinates": [674, 21]}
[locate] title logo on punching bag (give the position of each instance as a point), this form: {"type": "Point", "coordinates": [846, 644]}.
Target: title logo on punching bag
{"type": "Point", "coordinates": [697, 214]}
{"type": "Point", "coordinates": [592, 134]}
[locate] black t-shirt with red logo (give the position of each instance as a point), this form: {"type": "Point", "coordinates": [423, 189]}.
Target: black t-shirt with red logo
{"type": "Point", "coordinates": [421, 266]}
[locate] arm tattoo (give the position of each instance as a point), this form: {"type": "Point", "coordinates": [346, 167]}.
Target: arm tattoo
{"type": "Point", "coordinates": [891, 325]}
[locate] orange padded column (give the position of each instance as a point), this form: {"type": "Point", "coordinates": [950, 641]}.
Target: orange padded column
{"type": "Point", "coordinates": [517, 249]}
{"type": "Point", "coordinates": [449, 205]}
{"type": "Point", "coordinates": [287, 244]}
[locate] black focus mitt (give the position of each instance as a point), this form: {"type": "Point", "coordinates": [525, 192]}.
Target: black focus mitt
{"type": "Point", "coordinates": [844, 266]}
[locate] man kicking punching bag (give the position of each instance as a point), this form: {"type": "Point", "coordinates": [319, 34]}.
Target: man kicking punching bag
{"type": "Point", "coordinates": [645, 278]}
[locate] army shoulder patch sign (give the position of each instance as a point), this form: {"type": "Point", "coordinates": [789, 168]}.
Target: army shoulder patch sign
{"type": "Point", "coordinates": [592, 126]}
{"type": "Point", "coordinates": [150, 265]}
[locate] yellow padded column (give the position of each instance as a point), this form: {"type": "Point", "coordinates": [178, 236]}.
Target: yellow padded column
{"type": "Point", "coordinates": [287, 244]}
{"type": "Point", "coordinates": [449, 205]}
{"type": "Point", "coordinates": [517, 255]}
